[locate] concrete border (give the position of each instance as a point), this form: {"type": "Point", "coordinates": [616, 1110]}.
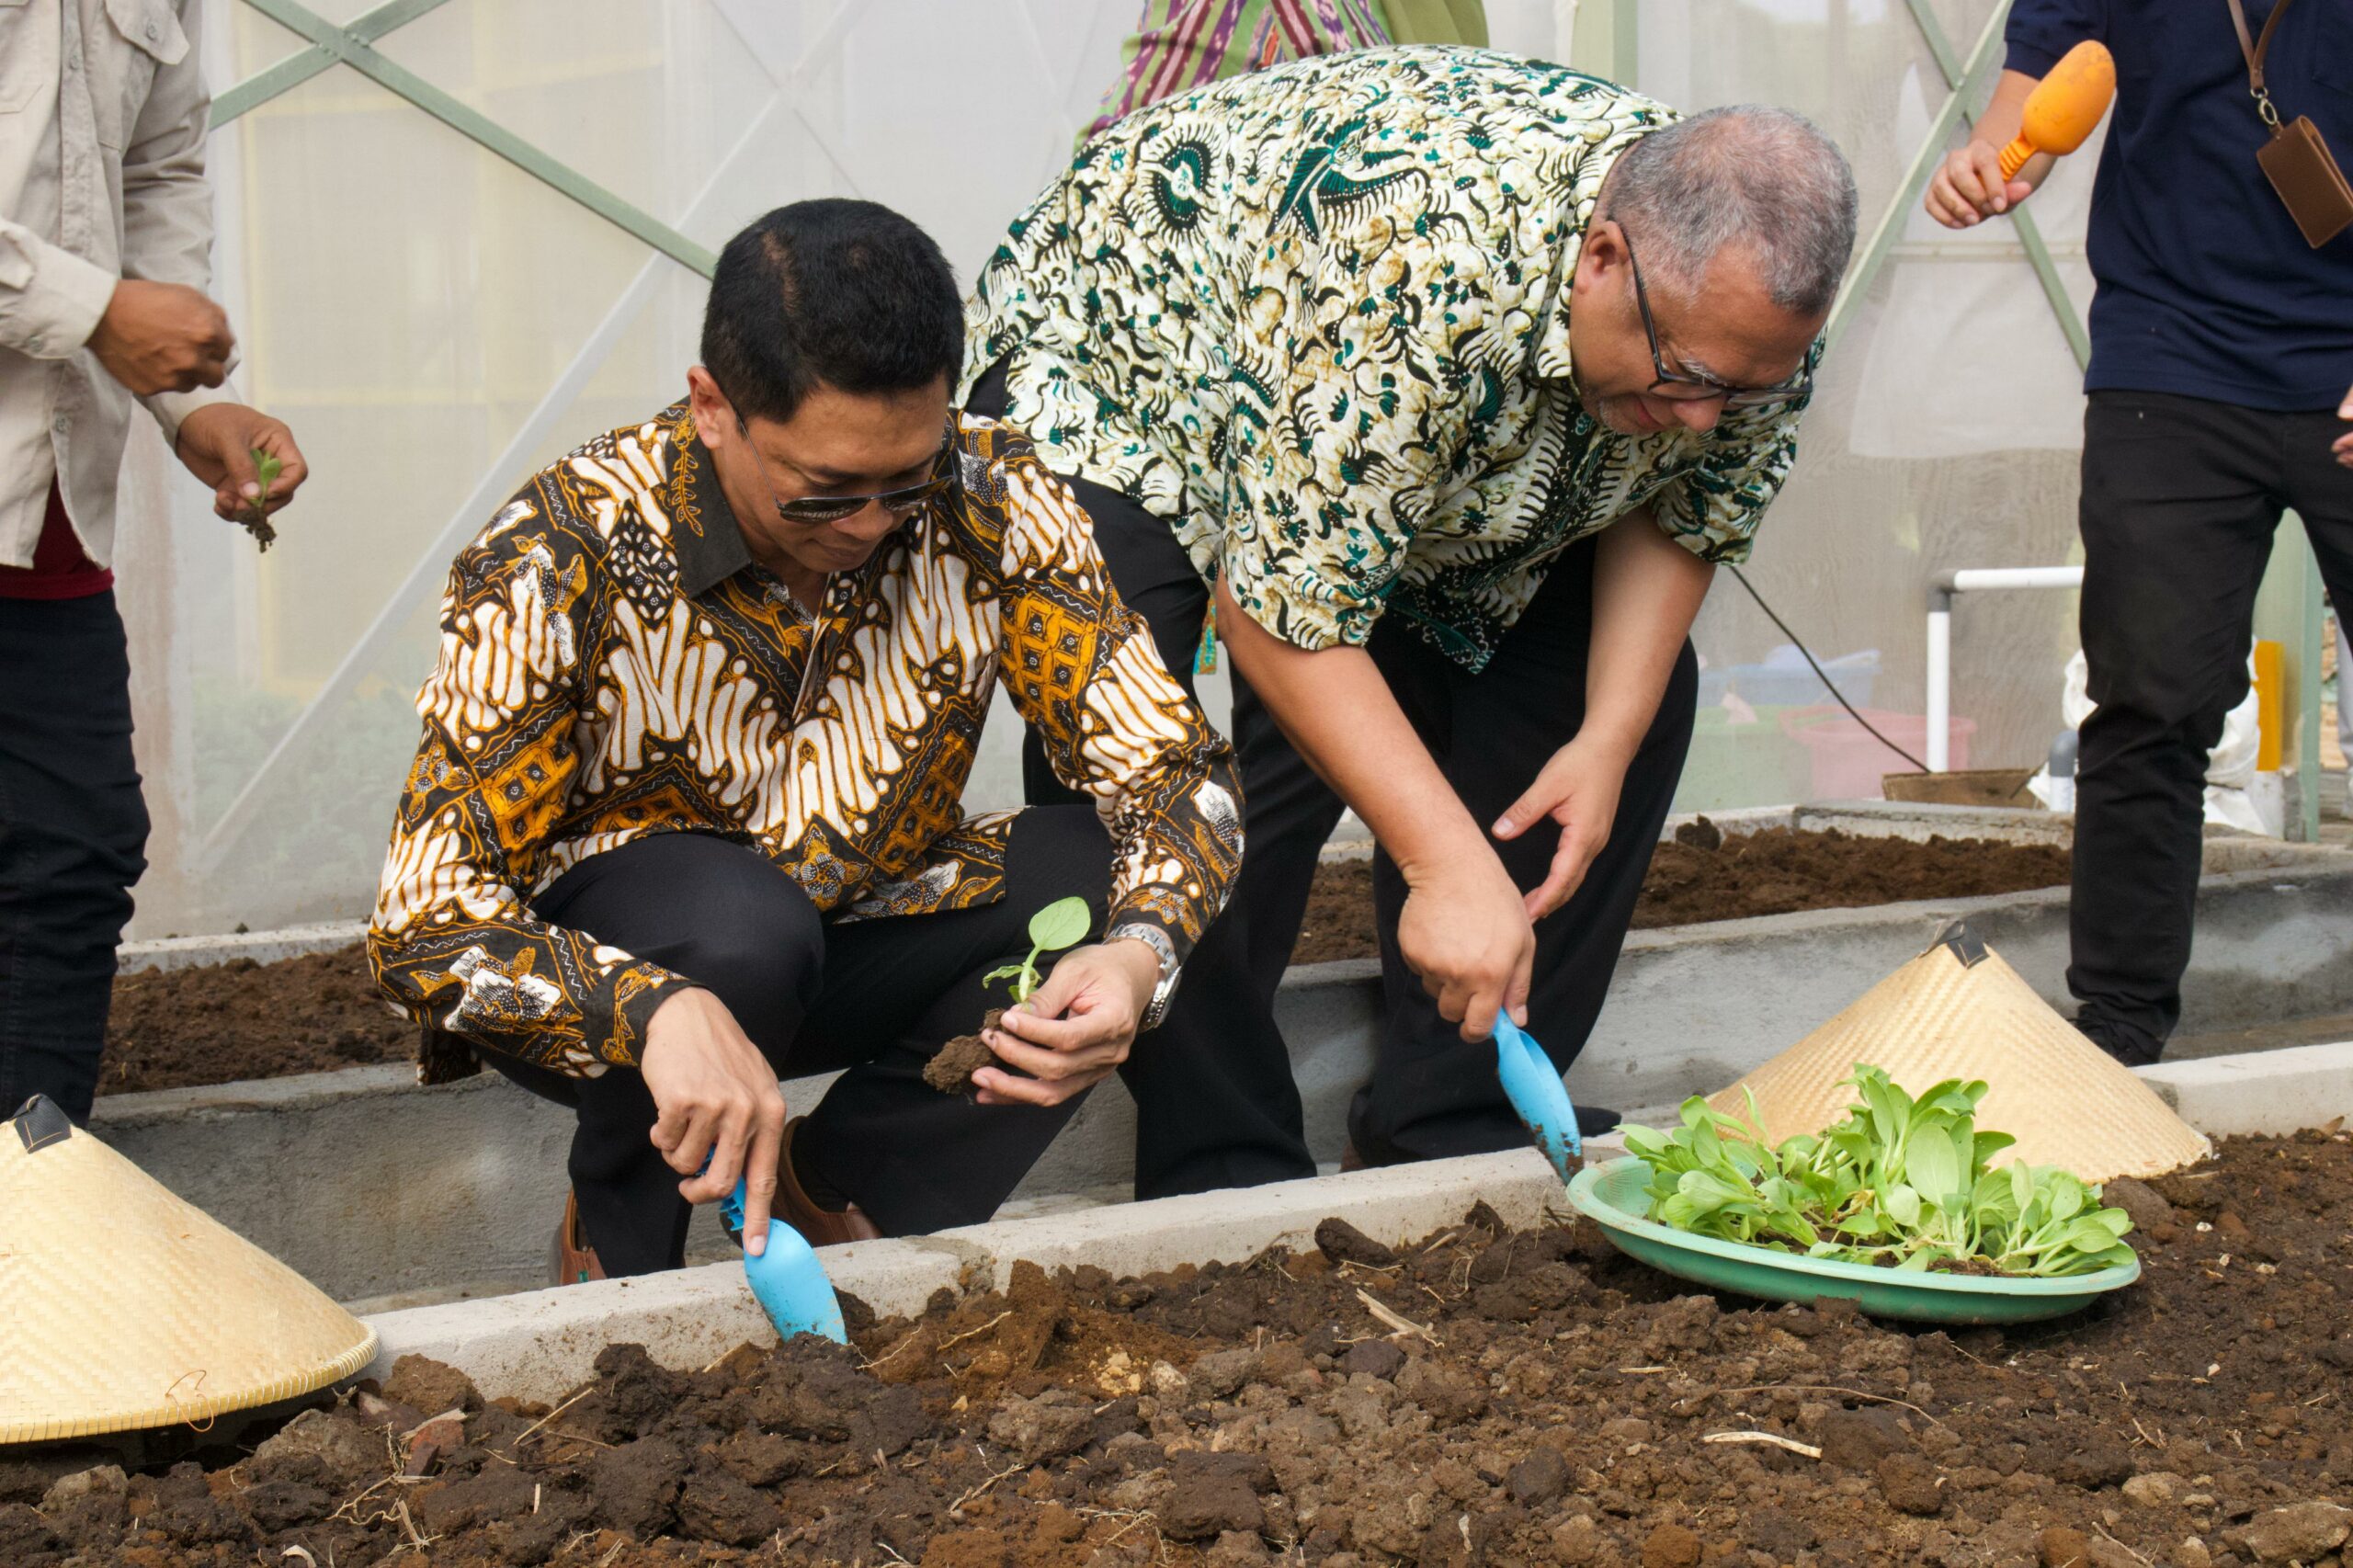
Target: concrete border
{"type": "Point", "coordinates": [2264, 1092]}
{"type": "Point", "coordinates": [539, 1344]}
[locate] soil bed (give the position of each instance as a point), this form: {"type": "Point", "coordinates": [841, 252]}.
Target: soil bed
{"type": "Point", "coordinates": [1706, 875]}
{"type": "Point", "coordinates": [1556, 1410]}
{"type": "Point", "coordinates": [242, 1019]}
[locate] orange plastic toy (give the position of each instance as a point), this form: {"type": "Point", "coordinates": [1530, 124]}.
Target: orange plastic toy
{"type": "Point", "coordinates": [2064, 106]}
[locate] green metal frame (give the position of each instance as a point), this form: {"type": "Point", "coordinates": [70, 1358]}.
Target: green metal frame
{"type": "Point", "coordinates": [354, 46]}
{"type": "Point", "coordinates": [1965, 83]}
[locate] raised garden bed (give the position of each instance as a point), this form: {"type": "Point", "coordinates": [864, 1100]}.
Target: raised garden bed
{"type": "Point", "coordinates": [221, 1023]}
{"type": "Point", "coordinates": [1703, 875]}
{"type": "Point", "coordinates": [1554, 1405]}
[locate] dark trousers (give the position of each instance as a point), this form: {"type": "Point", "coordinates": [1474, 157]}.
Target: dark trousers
{"type": "Point", "coordinates": [72, 837]}
{"type": "Point", "coordinates": [2180, 499]}
{"type": "Point", "coordinates": [876, 998]}
{"type": "Point", "coordinates": [1431, 1094]}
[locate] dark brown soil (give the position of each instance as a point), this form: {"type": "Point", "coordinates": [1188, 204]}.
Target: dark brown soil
{"type": "Point", "coordinates": [242, 1019]}
{"type": "Point", "coordinates": [1554, 1405]}
{"type": "Point", "coordinates": [1708, 876]}
{"type": "Point", "coordinates": [951, 1070]}
{"type": "Point", "coordinates": [307, 1014]}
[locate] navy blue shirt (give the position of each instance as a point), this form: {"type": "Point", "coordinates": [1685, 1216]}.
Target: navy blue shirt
{"type": "Point", "coordinates": [2206, 288]}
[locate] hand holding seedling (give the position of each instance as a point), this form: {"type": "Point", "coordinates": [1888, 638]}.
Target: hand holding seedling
{"type": "Point", "coordinates": [249, 458]}
{"type": "Point", "coordinates": [717, 1101]}
{"type": "Point", "coordinates": [2343, 444]}
{"type": "Point", "coordinates": [1071, 1028]}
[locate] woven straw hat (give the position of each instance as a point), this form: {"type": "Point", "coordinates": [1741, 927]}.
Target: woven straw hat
{"type": "Point", "coordinates": [123, 1307]}
{"type": "Point", "coordinates": [1958, 1011]}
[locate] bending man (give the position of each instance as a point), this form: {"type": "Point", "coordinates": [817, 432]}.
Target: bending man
{"type": "Point", "coordinates": [1452, 376]}
{"type": "Point", "coordinates": [685, 815]}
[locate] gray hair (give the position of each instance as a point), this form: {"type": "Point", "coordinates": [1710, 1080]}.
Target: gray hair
{"type": "Point", "coordinates": [1749, 176]}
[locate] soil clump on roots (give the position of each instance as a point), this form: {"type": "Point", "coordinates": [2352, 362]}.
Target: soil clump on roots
{"type": "Point", "coordinates": [951, 1070]}
{"type": "Point", "coordinates": [1550, 1402]}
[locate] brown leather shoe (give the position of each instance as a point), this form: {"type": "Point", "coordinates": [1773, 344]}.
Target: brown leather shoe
{"type": "Point", "coordinates": [571, 1259]}
{"type": "Point", "coordinates": [818, 1227]}
{"type": "Point", "coordinates": [1349, 1159]}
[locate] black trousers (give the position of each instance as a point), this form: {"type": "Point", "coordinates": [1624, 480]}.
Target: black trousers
{"type": "Point", "coordinates": [73, 840]}
{"type": "Point", "coordinates": [2180, 499]}
{"type": "Point", "coordinates": [876, 998]}
{"type": "Point", "coordinates": [1430, 1094]}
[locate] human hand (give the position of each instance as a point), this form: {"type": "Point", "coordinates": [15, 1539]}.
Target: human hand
{"type": "Point", "coordinates": [217, 444]}
{"type": "Point", "coordinates": [2343, 444]}
{"type": "Point", "coordinates": [1969, 187]}
{"type": "Point", "coordinates": [716, 1098]}
{"type": "Point", "coordinates": [1578, 789]}
{"type": "Point", "coordinates": [157, 337]}
{"type": "Point", "coordinates": [1464, 930]}
{"type": "Point", "coordinates": [1074, 1030]}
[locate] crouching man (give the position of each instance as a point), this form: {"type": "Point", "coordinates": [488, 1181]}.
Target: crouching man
{"type": "Point", "coordinates": [686, 816]}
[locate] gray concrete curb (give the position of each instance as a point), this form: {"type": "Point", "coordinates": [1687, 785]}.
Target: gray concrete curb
{"type": "Point", "coordinates": [2266, 1092]}
{"type": "Point", "coordinates": [538, 1345]}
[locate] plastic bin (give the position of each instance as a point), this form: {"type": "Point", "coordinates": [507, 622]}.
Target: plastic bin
{"type": "Point", "coordinates": [1849, 762]}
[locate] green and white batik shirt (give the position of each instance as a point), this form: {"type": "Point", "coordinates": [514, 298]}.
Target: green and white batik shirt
{"type": "Point", "coordinates": [1318, 318]}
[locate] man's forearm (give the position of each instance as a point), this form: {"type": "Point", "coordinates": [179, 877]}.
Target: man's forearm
{"type": "Point", "coordinates": [1647, 590]}
{"type": "Point", "coordinates": [1335, 708]}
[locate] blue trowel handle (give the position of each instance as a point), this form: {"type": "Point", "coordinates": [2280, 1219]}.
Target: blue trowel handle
{"type": "Point", "coordinates": [1533, 1086]}
{"type": "Point", "coordinates": [787, 1279]}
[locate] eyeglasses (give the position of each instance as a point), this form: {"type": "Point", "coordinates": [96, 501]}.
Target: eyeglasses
{"type": "Point", "coordinates": [901, 503]}
{"type": "Point", "coordinates": [1690, 383]}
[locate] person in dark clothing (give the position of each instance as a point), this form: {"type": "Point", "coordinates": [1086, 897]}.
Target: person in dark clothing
{"type": "Point", "coordinates": [2220, 380]}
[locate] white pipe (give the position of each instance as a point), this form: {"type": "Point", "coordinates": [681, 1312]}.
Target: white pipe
{"type": "Point", "coordinates": [1940, 685]}
{"type": "Point", "coordinates": [1940, 592]}
{"type": "Point", "coordinates": [1976, 577]}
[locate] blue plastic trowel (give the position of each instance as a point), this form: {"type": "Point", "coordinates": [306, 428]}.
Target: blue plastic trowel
{"type": "Point", "coordinates": [787, 1279]}
{"type": "Point", "coordinates": [1533, 1085]}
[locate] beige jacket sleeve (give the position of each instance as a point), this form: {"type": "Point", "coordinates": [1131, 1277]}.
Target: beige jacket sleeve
{"type": "Point", "coordinates": [166, 203]}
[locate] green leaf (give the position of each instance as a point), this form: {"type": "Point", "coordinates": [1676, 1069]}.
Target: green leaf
{"type": "Point", "coordinates": [1933, 1168]}
{"type": "Point", "coordinates": [1903, 1205]}
{"type": "Point", "coordinates": [267, 468]}
{"type": "Point", "coordinates": [1062, 924]}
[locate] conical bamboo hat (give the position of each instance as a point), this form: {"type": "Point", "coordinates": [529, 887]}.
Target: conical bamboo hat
{"type": "Point", "coordinates": [1958, 1011]}
{"type": "Point", "coordinates": [123, 1307]}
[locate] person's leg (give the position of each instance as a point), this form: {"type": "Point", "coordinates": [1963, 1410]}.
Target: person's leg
{"type": "Point", "coordinates": [1432, 1094]}
{"type": "Point", "coordinates": [1149, 569]}
{"type": "Point", "coordinates": [72, 837]}
{"type": "Point", "coordinates": [2321, 490]}
{"type": "Point", "coordinates": [895, 990]}
{"type": "Point", "coordinates": [1288, 814]}
{"type": "Point", "coordinates": [720, 914]}
{"type": "Point", "coordinates": [2180, 500]}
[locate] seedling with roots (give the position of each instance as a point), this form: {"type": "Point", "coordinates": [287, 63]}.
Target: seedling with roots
{"type": "Point", "coordinates": [267, 468]}
{"type": "Point", "coordinates": [1060, 925]}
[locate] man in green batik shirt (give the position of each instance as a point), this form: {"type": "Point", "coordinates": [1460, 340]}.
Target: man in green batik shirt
{"type": "Point", "coordinates": [1452, 377]}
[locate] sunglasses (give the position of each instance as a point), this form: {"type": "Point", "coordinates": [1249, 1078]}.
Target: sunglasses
{"type": "Point", "coordinates": [1691, 385]}
{"type": "Point", "coordinates": [903, 502]}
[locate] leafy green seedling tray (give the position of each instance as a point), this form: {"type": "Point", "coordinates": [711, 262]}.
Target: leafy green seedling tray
{"type": "Point", "coordinates": [1612, 1194]}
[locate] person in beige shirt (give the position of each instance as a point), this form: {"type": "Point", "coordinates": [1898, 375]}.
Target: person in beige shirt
{"type": "Point", "coordinates": [106, 230]}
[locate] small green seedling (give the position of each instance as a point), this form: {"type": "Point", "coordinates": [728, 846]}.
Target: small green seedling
{"type": "Point", "coordinates": [1062, 924]}
{"type": "Point", "coordinates": [267, 468]}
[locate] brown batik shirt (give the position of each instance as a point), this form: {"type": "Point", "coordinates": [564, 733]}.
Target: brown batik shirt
{"type": "Point", "coordinates": [614, 663]}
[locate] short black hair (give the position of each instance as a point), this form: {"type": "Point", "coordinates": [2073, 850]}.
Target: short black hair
{"type": "Point", "coordinates": [846, 294]}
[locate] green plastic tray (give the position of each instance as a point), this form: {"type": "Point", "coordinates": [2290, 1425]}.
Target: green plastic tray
{"type": "Point", "coordinates": [1612, 1194]}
